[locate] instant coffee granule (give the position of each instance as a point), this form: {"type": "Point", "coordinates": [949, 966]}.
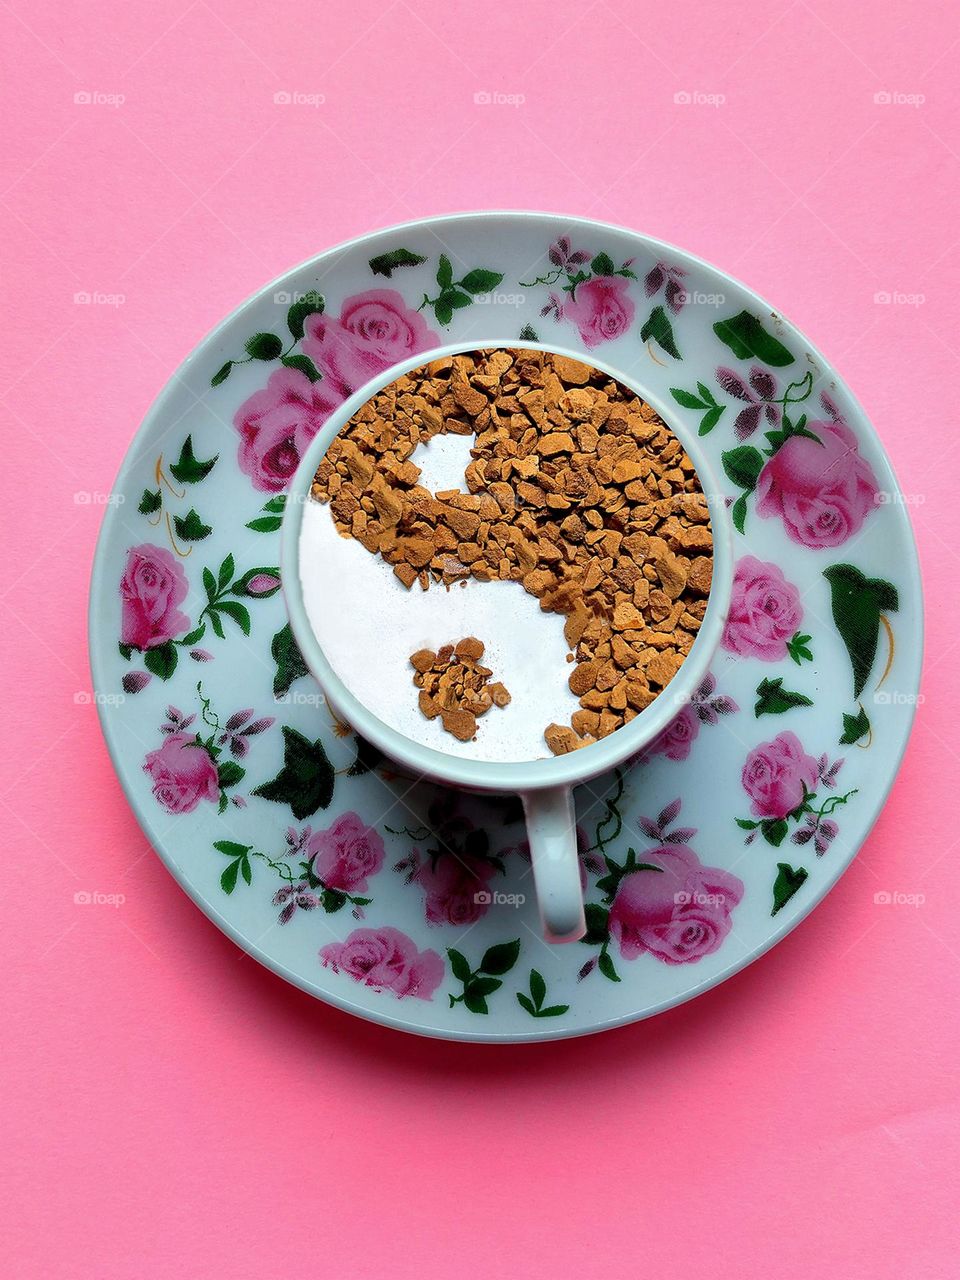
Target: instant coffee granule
{"type": "Point", "coordinates": [454, 686]}
{"type": "Point", "coordinates": [576, 488]}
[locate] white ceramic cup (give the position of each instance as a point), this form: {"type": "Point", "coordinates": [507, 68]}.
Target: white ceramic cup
{"type": "Point", "coordinates": [545, 786]}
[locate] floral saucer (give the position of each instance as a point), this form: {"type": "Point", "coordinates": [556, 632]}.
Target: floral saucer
{"type": "Point", "coordinates": [410, 904]}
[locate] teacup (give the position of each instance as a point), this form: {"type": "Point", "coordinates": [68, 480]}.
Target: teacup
{"type": "Point", "coordinates": [545, 786]}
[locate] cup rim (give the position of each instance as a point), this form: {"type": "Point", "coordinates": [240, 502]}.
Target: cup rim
{"type": "Point", "coordinates": [506, 775]}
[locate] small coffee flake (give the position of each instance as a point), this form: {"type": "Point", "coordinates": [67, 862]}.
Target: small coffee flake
{"type": "Point", "coordinates": [454, 686]}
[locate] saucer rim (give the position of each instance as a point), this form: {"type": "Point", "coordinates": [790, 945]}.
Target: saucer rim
{"type": "Point", "coordinates": [911, 647]}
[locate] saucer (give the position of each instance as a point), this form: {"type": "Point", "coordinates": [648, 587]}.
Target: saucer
{"type": "Point", "coordinates": [411, 904]}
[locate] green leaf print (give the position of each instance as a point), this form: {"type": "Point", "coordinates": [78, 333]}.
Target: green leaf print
{"type": "Point", "coordinates": [384, 264]}
{"type": "Point", "coordinates": [483, 981]}
{"type": "Point", "coordinates": [290, 664]}
{"type": "Point", "coordinates": [188, 468]}
{"type": "Point", "coordinates": [858, 603]}
{"type": "Point", "coordinates": [789, 880]}
{"type": "Point", "coordinates": [533, 1003]}
{"type": "Point", "coordinates": [747, 339]}
{"type": "Point", "coordinates": [774, 700]}
{"type": "Point", "coordinates": [305, 782]}
{"type": "Point", "coordinates": [659, 329]}
{"type": "Point", "coordinates": [855, 727]}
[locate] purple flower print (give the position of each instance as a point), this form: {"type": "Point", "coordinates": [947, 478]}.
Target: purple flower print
{"type": "Point", "coordinates": [758, 392]}
{"type": "Point", "coordinates": [562, 255]}
{"type": "Point", "coordinates": [709, 705]}
{"type": "Point", "coordinates": [676, 739]}
{"type": "Point", "coordinates": [294, 896]}
{"type": "Point", "coordinates": [823, 831]}
{"type": "Point", "coordinates": [133, 681]}
{"type": "Point", "coordinates": [239, 729]}
{"type": "Point", "coordinates": [670, 279]}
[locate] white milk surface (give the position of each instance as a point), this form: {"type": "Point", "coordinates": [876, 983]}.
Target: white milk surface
{"type": "Point", "coordinates": [368, 624]}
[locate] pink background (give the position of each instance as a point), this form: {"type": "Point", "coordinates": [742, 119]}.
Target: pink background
{"type": "Point", "coordinates": [169, 1106]}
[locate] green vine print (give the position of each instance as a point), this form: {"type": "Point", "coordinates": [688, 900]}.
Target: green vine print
{"type": "Point", "coordinates": [453, 295]}
{"type": "Point", "coordinates": [268, 347]}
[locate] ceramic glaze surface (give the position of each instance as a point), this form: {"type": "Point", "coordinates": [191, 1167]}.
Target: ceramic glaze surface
{"type": "Point", "coordinates": [412, 904]}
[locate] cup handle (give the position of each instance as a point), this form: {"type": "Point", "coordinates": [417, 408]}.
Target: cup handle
{"type": "Point", "coordinates": [552, 832]}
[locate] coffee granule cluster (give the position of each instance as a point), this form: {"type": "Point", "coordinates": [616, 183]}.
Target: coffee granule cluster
{"type": "Point", "coordinates": [454, 686]}
{"type": "Point", "coordinates": [576, 489]}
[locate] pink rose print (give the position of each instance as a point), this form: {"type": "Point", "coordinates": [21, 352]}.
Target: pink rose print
{"type": "Point", "coordinates": [346, 854]}
{"type": "Point", "coordinates": [601, 309]}
{"type": "Point", "coordinates": [386, 960]}
{"type": "Point", "coordinates": [775, 774]}
{"type": "Point", "coordinates": [152, 586]}
{"type": "Point", "coordinates": [277, 423]}
{"type": "Point", "coordinates": [182, 772]}
{"type": "Point", "coordinates": [375, 330]}
{"type": "Point", "coordinates": [765, 611]}
{"type": "Point", "coordinates": [676, 739]}
{"type": "Point", "coordinates": [679, 913]}
{"type": "Point", "coordinates": [822, 489]}
{"type": "Point", "coordinates": [455, 888]}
